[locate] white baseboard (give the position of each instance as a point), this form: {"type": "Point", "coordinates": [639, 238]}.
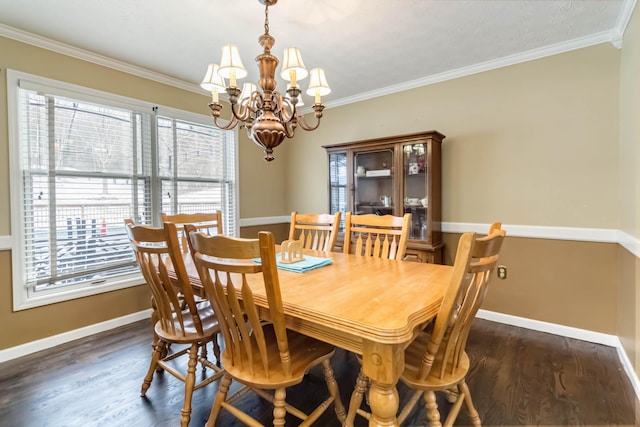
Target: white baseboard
{"type": "Point", "coordinates": [569, 332]}
{"type": "Point", "coordinates": [552, 328]}
{"type": "Point", "coordinates": [628, 368]}
{"type": "Point", "coordinates": [65, 337]}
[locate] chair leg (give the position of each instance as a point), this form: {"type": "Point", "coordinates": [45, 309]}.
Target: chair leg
{"type": "Point", "coordinates": [433, 415]}
{"type": "Point", "coordinates": [203, 355]}
{"type": "Point", "coordinates": [451, 395]}
{"type": "Point", "coordinates": [356, 398]}
{"type": "Point", "coordinates": [189, 382]}
{"type": "Point", "coordinates": [221, 396]}
{"type": "Point", "coordinates": [332, 385]}
{"type": "Point", "coordinates": [158, 350]}
{"type": "Point", "coordinates": [471, 409]}
{"type": "Point", "coordinates": [156, 339]}
{"type": "Point", "coordinates": [279, 411]}
{"type": "Point", "coordinates": [216, 350]}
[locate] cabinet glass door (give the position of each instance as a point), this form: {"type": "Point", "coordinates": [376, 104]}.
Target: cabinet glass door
{"type": "Point", "coordinates": [415, 188]}
{"type": "Point", "coordinates": [338, 182]}
{"type": "Point", "coordinates": [373, 182]}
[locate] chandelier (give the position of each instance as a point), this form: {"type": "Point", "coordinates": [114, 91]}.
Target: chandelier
{"type": "Point", "coordinates": [268, 116]}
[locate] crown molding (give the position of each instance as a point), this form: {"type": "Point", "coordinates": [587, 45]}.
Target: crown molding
{"type": "Point", "coordinates": [613, 36]}
{"type": "Point", "coordinates": [625, 16]}
{"type": "Point", "coordinates": [85, 55]}
{"type": "Point", "coordinates": [530, 55]}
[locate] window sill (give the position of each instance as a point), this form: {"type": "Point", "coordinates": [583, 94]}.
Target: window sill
{"type": "Point", "coordinates": [23, 302]}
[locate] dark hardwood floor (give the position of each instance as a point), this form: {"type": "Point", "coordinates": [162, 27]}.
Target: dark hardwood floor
{"type": "Point", "coordinates": [519, 377]}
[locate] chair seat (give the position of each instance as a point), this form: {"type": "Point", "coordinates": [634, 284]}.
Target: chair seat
{"type": "Point", "coordinates": [413, 359]}
{"type": "Point", "coordinates": [305, 353]}
{"type": "Point", "coordinates": [190, 334]}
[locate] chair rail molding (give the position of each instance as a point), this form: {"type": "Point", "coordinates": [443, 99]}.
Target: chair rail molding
{"type": "Point", "coordinates": [629, 242]}
{"type": "Point", "coordinates": [604, 235]}
{"type": "Point", "coordinates": [266, 220]}
{"type": "Point", "coordinates": [6, 243]}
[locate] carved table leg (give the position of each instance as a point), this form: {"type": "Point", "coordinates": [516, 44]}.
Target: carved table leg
{"type": "Point", "coordinates": [384, 402]}
{"type": "Point", "coordinates": [383, 364]}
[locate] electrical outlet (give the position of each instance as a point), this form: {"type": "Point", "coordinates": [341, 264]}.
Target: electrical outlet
{"type": "Point", "coordinates": [502, 272]}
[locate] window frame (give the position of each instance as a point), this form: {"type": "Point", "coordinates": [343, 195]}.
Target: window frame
{"type": "Point", "coordinates": [22, 298]}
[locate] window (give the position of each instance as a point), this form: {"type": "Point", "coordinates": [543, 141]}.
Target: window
{"type": "Point", "coordinates": [81, 162]}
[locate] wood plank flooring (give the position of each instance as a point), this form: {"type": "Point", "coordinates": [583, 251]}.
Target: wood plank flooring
{"type": "Point", "coordinates": [519, 377]}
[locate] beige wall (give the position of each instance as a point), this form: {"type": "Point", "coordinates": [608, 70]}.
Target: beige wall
{"type": "Point", "coordinates": [262, 191]}
{"type": "Point", "coordinates": [531, 144]}
{"type": "Point", "coordinates": [629, 297]}
{"type": "Point", "coordinates": [263, 185]}
{"type": "Point", "coordinates": [558, 281]}
{"type": "Point", "coordinates": [541, 136]}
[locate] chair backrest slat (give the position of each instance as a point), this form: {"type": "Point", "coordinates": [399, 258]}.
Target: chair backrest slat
{"type": "Point", "coordinates": [380, 236]}
{"type": "Point", "coordinates": [153, 248]}
{"type": "Point", "coordinates": [476, 259]}
{"type": "Point", "coordinates": [233, 259]}
{"type": "Point", "coordinates": [317, 231]}
{"type": "Point", "coordinates": [209, 223]}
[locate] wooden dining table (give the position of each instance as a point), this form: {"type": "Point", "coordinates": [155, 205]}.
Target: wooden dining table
{"type": "Point", "coordinates": [370, 306]}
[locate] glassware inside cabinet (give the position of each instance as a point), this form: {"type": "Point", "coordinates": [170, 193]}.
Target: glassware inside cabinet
{"type": "Point", "coordinates": [373, 182]}
{"type": "Point", "coordinates": [416, 200]}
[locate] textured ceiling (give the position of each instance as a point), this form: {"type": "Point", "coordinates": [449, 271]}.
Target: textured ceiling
{"type": "Point", "coordinates": [367, 47]}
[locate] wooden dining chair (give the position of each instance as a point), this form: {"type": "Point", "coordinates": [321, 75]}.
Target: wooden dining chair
{"type": "Point", "coordinates": [259, 353]}
{"type": "Point", "coordinates": [382, 236]}
{"type": "Point", "coordinates": [195, 325]}
{"type": "Point", "coordinates": [436, 360]}
{"type": "Point", "coordinates": [495, 226]}
{"type": "Point", "coordinates": [317, 231]}
{"type": "Point", "coordinates": [210, 223]}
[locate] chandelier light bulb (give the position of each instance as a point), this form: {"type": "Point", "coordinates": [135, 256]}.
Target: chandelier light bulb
{"type": "Point", "coordinates": [231, 65]}
{"type": "Point", "coordinates": [292, 66]}
{"type": "Point", "coordinates": [212, 82]}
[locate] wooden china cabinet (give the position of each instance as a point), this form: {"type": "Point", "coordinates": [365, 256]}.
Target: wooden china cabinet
{"type": "Point", "coordinates": [392, 175]}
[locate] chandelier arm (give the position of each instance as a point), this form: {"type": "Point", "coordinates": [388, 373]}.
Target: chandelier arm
{"type": "Point", "coordinates": [303, 124]}
{"type": "Point", "coordinates": [242, 115]}
{"type": "Point", "coordinates": [288, 114]}
{"type": "Point", "coordinates": [248, 129]}
{"type": "Point", "coordinates": [290, 128]}
{"type": "Point", "coordinates": [230, 125]}
{"type": "Point", "coordinates": [256, 101]}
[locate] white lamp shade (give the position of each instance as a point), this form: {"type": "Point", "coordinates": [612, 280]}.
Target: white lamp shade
{"type": "Point", "coordinates": [247, 90]}
{"type": "Point", "coordinates": [213, 80]}
{"type": "Point", "coordinates": [292, 61]}
{"type": "Point", "coordinates": [231, 62]}
{"type": "Point", "coordinates": [318, 83]}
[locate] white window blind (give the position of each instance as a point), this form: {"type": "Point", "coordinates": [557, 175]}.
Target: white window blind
{"type": "Point", "coordinates": [197, 169]}
{"type": "Point", "coordinates": [84, 164]}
